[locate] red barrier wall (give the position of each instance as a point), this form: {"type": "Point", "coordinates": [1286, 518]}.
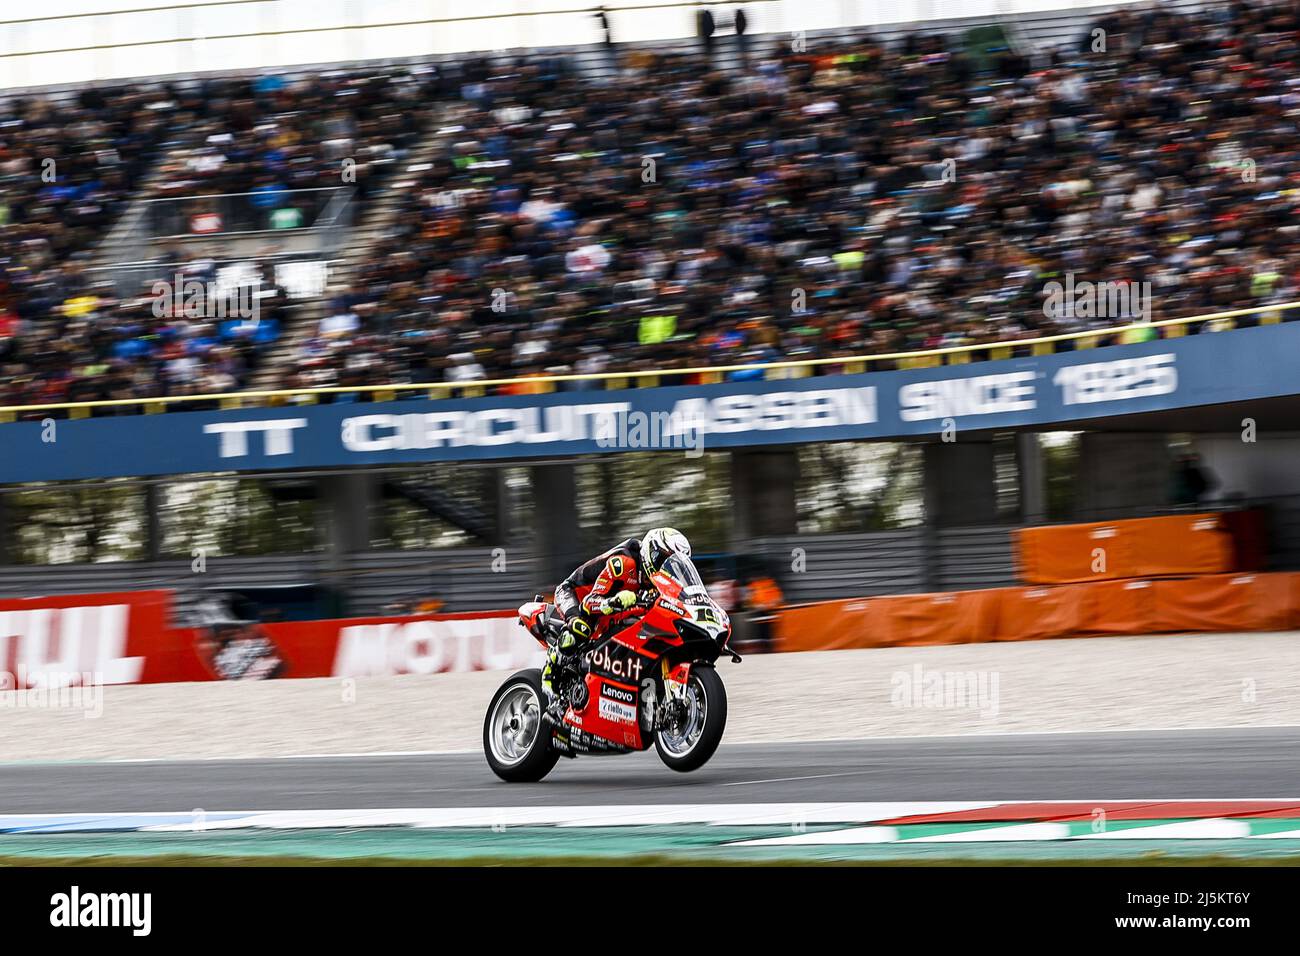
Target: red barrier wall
{"type": "Point", "coordinates": [60, 638]}
{"type": "Point", "coordinates": [125, 638]}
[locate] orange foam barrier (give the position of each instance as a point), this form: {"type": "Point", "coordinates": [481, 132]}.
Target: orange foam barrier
{"type": "Point", "coordinates": [1226, 602]}
{"type": "Point", "coordinates": [1170, 545]}
{"type": "Point", "coordinates": [951, 617]}
{"type": "Point", "coordinates": [1229, 602]}
{"type": "Point", "coordinates": [830, 626]}
{"type": "Point", "coordinates": [1035, 614]}
{"type": "Point", "coordinates": [1115, 608]}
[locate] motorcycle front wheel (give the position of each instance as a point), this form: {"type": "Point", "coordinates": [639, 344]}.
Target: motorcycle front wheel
{"type": "Point", "coordinates": [516, 740]}
{"type": "Point", "coordinates": [690, 744]}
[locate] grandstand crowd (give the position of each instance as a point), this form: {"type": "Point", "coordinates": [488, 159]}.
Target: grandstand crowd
{"type": "Point", "coordinates": [849, 198]}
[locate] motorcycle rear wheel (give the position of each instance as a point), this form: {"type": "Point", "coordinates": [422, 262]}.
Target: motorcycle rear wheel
{"type": "Point", "coordinates": [516, 740]}
{"type": "Point", "coordinates": [695, 742]}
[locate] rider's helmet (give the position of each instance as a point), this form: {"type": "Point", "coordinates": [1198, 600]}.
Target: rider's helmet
{"type": "Point", "coordinates": [660, 544]}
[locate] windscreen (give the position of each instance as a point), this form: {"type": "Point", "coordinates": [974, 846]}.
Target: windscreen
{"type": "Point", "coordinates": [683, 571]}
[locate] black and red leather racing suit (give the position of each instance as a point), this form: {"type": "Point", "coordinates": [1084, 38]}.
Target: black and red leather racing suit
{"type": "Point", "coordinates": [580, 595]}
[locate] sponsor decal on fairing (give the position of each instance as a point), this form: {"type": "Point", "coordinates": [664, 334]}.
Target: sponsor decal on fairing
{"type": "Point", "coordinates": [619, 713]}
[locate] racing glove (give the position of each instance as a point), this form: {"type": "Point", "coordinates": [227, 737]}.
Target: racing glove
{"type": "Point", "coordinates": [619, 602]}
{"type": "Point", "coordinates": [577, 631]}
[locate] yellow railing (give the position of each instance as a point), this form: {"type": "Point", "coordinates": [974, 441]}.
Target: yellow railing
{"type": "Point", "coordinates": [540, 384]}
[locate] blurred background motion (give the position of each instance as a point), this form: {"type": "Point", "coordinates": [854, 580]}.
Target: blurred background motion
{"type": "Point", "coordinates": [245, 200]}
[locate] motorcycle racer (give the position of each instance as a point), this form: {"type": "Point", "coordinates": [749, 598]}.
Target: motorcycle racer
{"type": "Point", "coordinates": [601, 589]}
{"type": "Point", "coordinates": [648, 679]}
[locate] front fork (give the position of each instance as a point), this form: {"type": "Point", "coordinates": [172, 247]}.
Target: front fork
{"type": "Point", "coordinates": [675, 679]}
{"type": "Point", "coordinates": [676, 704]}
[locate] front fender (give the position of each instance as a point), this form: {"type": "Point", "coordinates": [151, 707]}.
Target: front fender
{"type": "Point", "coordinates": [677, 674]}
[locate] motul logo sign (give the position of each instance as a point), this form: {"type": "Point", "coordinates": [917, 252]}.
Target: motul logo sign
{"type": "Point", "coordinates": [434, 647]}
{"type": "Point", "coordinates": [60, 647]}
{"type": "Point", "coordinates": [51, 646]}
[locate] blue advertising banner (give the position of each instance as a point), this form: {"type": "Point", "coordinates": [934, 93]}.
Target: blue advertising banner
{"type": "Point", "coordinates": [1047, 390]}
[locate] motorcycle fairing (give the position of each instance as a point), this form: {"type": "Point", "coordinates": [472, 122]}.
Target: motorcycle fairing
{"type": "Point", "coordinates": [641, 646]}
{"type": "Point", "coordinates": [575, 740]}
{"type": "Point", "coordinates": [613, 711]}
{"type": "Point", "coordinates": [531, 616]}
{"type": "Point", "coordinates": [613, 706]}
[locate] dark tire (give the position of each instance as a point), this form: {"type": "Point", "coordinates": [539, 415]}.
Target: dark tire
{"type": "Point", "coordinates": [516, 740]}
{"type": "Point", "coordinates": [685, 755]}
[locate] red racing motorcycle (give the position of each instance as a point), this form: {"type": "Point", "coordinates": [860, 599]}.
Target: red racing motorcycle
{"type": "Point", "coordinates": [648, 679]}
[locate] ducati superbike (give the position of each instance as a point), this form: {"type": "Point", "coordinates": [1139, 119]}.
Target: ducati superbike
{"type": "Point", "coordinates": [648, 679]}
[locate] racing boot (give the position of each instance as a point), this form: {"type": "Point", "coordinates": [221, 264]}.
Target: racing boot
{"type": "Point", "coordinates": [562, 659]}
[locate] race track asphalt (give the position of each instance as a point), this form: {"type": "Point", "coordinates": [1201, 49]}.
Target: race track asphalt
{"type": "Point", "coordinates": [1210, 764]}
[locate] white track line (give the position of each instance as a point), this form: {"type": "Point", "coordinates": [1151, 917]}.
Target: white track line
{"type": "Point", "coordinates": [858, 817]}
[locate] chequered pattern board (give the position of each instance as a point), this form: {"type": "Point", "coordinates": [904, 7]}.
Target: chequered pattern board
{"type": "Point", "coordinates": [810, 824]}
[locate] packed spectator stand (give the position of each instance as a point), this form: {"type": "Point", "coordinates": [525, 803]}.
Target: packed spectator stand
{"type": "Point", "coordinates": [69, 165]}
{"type": "Point", "coordinates": [854, 197]}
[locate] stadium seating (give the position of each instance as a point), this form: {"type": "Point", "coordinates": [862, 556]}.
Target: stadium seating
{"type": "Point", "coordinates": [70, 164]}
{"type": "Point", "coordinates": [804, 207]}
{"type": "Point", "coordinates": [856, 197]}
